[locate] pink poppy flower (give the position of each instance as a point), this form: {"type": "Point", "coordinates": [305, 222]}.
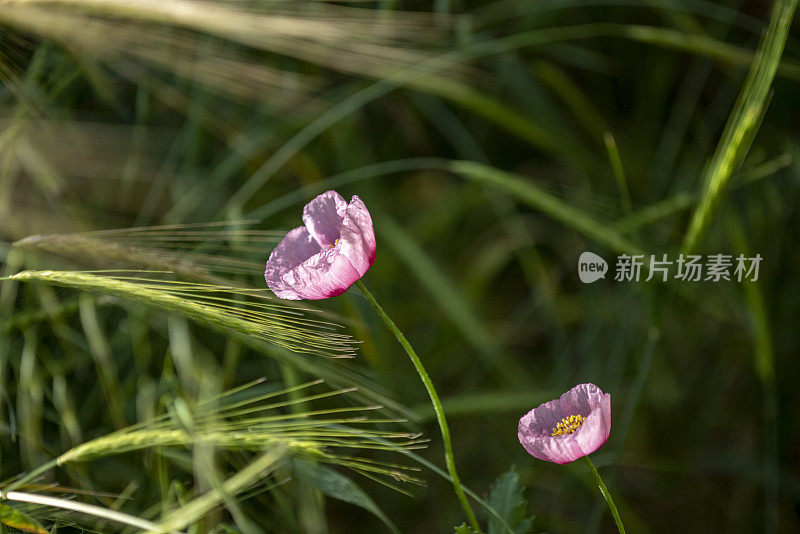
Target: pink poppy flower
{"type": "Point", "coordinates": [323, 258]}
{"type": "Point", "coordinates": [570, 427]}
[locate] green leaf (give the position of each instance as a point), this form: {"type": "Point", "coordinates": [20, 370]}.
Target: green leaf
{"type": "Point", "coordinates": [464, 529]}
{"type": "Point", "coordinates": [338, 486]}
{"type": "Point", "coordinates": [13, 518]}
{"type": "Point", "coordinates": [506, 499]}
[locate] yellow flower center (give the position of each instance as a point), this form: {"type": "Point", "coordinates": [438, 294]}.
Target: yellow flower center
{"type": "Point", "coordinates": [334, 243]}
{"type": "Point", "coordinates": [568, 425]}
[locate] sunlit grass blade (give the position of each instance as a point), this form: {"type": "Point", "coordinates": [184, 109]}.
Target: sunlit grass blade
{"type": "Point", "coordinates": [134, 35]}
{"type": "Point", "coordinates": [491, 109]}
{"type": "Point", "coordinates": [74, 506]}
{"type": "Point", "coordinates": [742, 123]}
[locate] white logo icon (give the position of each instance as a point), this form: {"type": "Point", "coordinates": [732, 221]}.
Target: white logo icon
{"type": "Point", "coordinates": [591, 267]}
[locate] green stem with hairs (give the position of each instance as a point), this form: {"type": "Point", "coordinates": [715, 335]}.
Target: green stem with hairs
{"type": "Point", "coordinates": [606, 495]}
{"type": "Point", "coordinates": [437, 405]}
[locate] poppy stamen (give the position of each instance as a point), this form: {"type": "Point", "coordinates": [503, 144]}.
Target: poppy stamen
{"type": "Point", "coordinates": [568, 425]}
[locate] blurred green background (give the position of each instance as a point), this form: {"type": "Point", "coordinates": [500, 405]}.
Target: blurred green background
{"type": "Point", "coordinates": [605, 113]}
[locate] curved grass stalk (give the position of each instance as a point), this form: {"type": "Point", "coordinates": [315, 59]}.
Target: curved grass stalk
{"type": "Point", "coordinates": [335, 181]}
{"type": "Point", "coordinates": [536, 197]}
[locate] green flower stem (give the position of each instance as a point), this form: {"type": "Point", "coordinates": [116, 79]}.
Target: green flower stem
{"type": "Point", "coordinates": [606, 495]}
{"type": "Point", "coordinates": [437, 405]}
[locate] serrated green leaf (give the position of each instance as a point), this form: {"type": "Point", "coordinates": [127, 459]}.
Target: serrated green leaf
{"type": "Point", "coordinates": [338, 486]}
{"type": "Point", "coordinates": [12, 517]}
{"type": "Point", "coordinates": [506, 499]}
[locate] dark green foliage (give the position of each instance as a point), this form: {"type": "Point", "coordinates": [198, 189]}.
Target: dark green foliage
{"type": "Point", "coordinates": [506, 499]}
{"type": "Point", "coordinates": [337, 486]}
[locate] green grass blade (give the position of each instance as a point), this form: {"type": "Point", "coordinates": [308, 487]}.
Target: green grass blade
{"type": "Point", "coordinates": [529, 193]}
{"type": "Point", "coordinates": [742, 123]}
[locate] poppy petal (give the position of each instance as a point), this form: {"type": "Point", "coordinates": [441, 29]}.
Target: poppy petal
{"type": "Point", "coordinates": [323, 217]}
{"type": "Point", "coordinates": [326, 274]}
{"type": "Point", "coordinates": [296, 247]}
{"type": "Point", "coordinates": [357, 241]}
